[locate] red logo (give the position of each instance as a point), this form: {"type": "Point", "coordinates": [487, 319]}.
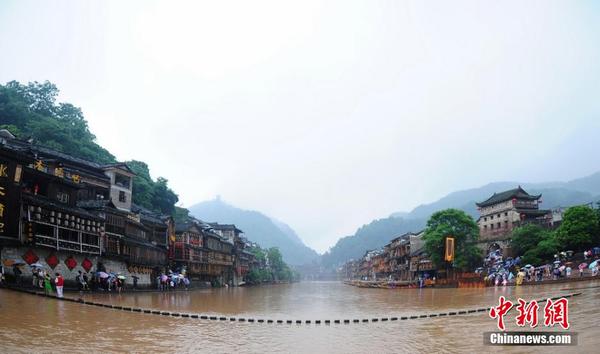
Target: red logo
{"type": "Point", "coordinates": [528, 313]}
{"type": "Point", "coordinates": [555, 312]}
{"type": "Point", "coordinates": [500, 311]}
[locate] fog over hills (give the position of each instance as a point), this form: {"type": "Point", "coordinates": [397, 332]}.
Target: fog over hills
{"type": "Point", "coordinates": [377, 233]}
{"type": "Point", "coordinates": [259, 228]}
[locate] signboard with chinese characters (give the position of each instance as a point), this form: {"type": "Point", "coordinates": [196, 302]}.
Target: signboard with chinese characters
{"type": "Point", "coordinates": [58, 171]}
{"type": "Point", "coordinates": [10, 175]}
{"type": "Point", "coordinates": [449, 254]}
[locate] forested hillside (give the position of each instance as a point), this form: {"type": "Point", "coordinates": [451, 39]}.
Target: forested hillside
{"type": "Point", "coordinates": [30, 112]}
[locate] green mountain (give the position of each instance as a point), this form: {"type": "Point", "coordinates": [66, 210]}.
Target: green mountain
{"type": "Point", "coordinates": [379, 232]}
{"type": "Point", "coordinates": [258, 228]}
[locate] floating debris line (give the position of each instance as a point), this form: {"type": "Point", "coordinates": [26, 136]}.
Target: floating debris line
{"type": "Point", "coordinates": [221, 318]}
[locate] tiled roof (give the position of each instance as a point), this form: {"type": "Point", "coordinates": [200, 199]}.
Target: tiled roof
{"type": "Point", "coordinates": [517, 193]}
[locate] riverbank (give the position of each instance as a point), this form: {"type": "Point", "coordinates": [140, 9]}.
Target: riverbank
{"type": "Point", "coordinates": [384, 284]}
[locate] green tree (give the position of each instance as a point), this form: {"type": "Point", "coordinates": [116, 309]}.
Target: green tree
{"type": "Point", "coordinates": [275, 259]}
{"type": "Point", "coordinates": [544, 251]}
{"type": "Point", "coordinates": [31, 111]}
{"type": "Point", "coordinates": [154, 195]}
{"type": "Point", "coordinates": [579, 230]}
{"type": "Point", "coordinates": [527, 237]}
{"type": "Point", "coordinates": [455, 223]}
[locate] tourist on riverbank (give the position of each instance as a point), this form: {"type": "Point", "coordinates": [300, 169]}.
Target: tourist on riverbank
{"type": "Point", "coordinates": [17, 273]}
{"type": "Point", "coordinates": [520, 277]}
{"type": "Point", "coordinates": [41, 278]}
{"type": "Point", "coordinates": [47, 284]}
{"type": "Point", "coordinates": [34, 277]}
{"type": "Point", "coordinates": [118, 284]}
{"type": "Point", "coordinates": [81, 284]}
{"type": "Point", "coordinates": [60, 282]}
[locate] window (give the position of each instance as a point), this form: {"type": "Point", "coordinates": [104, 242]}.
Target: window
{"type": "Point", "coordinates": [484, 219]}
{"type": "Point", "coordinates": [485, 227]}
{"type": "Point", "coordinates": [62, 197]}
{"type": "Point", "coordinates": [122, 181]}
{"type": "Point", "coordinates": [492, 217]}
{"type": "Point", "coordinates": [492, 226]}
{"type": "Point", "coordinates": [122, 197]}
{"type": "Point", "coordinates": [506, 214]}
{"type": "Point", "coordinates": [498, 225]}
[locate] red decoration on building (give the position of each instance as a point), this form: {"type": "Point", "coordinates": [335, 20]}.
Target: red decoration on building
{"type": "Point", "coordinates": [71, 263]}
{"type": "Point", "coordinates": [30, 257]}
{"type": "Point", "coordinates": [87, 264]}
{"type": "Point", "coordinates": [52, 260]}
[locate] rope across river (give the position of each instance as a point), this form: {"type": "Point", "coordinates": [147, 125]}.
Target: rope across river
{"type": "Point", "coordinates": [222, 318]}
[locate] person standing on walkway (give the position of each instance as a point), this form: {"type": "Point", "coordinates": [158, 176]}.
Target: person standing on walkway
{"type": "Point", "coordinates": [47, 284]}
{"type": "Point", "coordinates": [60, 282]}
{"type": "Point", "coordinates": [80, 282]}
{"type": "Point", "coordinates": [17, 273]}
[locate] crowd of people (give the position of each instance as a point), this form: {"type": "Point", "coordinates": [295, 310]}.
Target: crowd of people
{"type": "Point", "coordinates": [172, 281]}
{"type": "Point", "coordinates": [503, 271]}
{"type": "Point", "coordinates": [44, 280]}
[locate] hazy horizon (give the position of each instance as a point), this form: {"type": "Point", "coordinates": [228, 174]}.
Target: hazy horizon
{"type": "Point", "coordinates": [323, 115]}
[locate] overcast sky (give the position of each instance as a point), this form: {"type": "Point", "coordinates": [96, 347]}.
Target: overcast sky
{"type": "Point", "coordinates": [324, 114]}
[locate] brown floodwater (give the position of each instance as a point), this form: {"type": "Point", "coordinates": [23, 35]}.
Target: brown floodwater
{"type": "Point", "coordinates": [33, 324]}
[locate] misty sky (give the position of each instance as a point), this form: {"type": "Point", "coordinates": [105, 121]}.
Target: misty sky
{"type": "Point", "coordinates": [324, 114]}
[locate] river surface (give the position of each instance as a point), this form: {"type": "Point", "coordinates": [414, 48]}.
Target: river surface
{"type": "Point", "coordinates": [33, 324]}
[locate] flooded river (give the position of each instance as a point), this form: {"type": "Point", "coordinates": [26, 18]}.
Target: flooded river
{"type": "Point", "coordinates": [34, 324]}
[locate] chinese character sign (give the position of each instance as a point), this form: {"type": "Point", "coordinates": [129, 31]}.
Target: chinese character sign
{"type": "Point", "coordinates": [449, 254]}
{"type": "Point", "coordinates": [555, 313]}
{"type": "Point", "coordinates": [9, 206]}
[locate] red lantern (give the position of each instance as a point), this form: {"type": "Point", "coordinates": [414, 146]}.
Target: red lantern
{"type": "Point", "coordinates": [71, 263]}
{"type": "Point", "coordinates": [30, 257]}
{"type": "Point", "coordinates": [87, 264]}
{"type": "Point", "coordinates": [52, 260]}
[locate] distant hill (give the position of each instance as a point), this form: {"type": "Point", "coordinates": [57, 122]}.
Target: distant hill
{"type": "Point", "coordinates": [368, 237]}
{"type": "Point", "coordinates": [258, 228]}
{"type": "Point", "coordinates": [379, 232]}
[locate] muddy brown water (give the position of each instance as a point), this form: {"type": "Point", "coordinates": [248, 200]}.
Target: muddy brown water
{"type": "Point", "coordinates": [34, 324]}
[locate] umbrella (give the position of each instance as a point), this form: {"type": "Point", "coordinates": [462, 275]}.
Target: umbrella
{"type": "Point", "coordinates": [528, 266]}
{"type": "Point", "coordinates": [556, 262]}
{"type": "Point", "coordinates": [122, 277]}
{"type": "Point", "coordinates": [561, 268]}
{"type": "Point", "coordinates": [583, 265]}
{"type": "Point", "coordinates": [37, 265]}
{"type": "Point", "coordinates": [594, 264]}
{"type": "Point", "coordinates": [103, 275]}
{"type": "Point", "coordinates": [13, 262]}
{"type": "Point", "coordinates": [163, 277]}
